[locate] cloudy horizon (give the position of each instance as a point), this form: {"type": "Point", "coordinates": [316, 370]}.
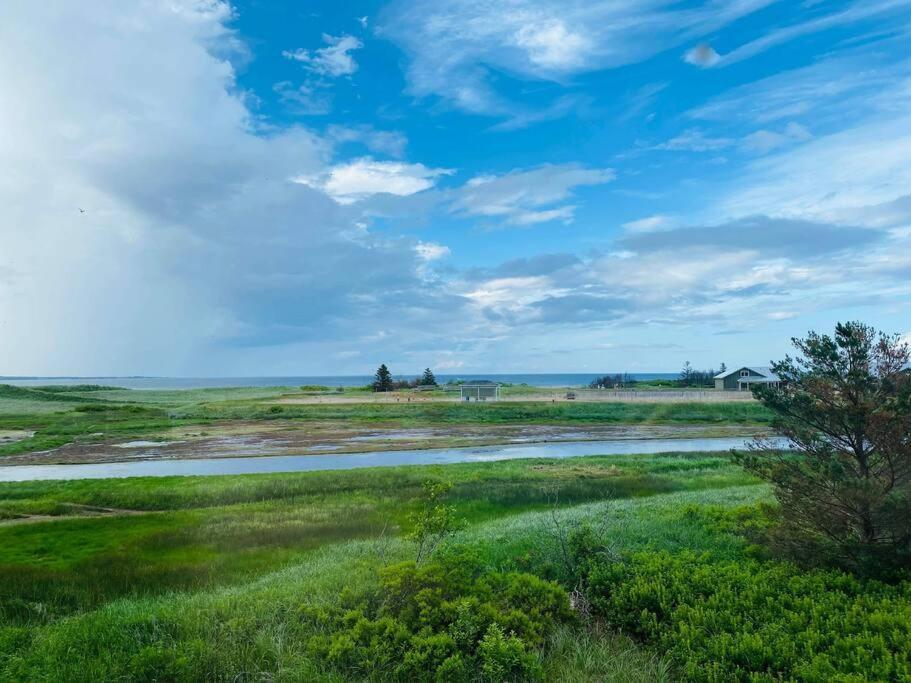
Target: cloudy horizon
{"type": "Point", "coordinates": [204, 188]}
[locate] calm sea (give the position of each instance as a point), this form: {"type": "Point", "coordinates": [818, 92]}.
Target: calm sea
{"type": "Point", "coordinates": [534, 379]}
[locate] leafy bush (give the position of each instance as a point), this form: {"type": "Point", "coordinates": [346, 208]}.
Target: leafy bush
{"type": "Point", "coordinates": [441, 621]}
{"type": "Point", "coordinates": [747, 620]}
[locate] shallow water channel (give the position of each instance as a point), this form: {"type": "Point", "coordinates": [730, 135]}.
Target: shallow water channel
{"type": "Point", "coordinates": [309, 463]}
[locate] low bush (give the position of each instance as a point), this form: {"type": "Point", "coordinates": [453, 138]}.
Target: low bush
{"type": "Point", "coordinates": [750, 620]}
{"type": "Point", "coordinates": [449, 620]}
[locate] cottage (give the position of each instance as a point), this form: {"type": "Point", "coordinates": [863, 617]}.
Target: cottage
{"type": "Point", "coordinates": [480, 390]}
{"type": "Point", "coordinates": [741, 379]}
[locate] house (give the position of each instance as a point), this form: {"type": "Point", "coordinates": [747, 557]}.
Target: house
{"type": "Point", "coordinates": [480, 390]}
{"type": "Point", "coordinates": [742, 378]}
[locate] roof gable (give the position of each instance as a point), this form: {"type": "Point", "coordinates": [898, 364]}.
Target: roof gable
{"type": "Point", "coordinates": [761, 370]}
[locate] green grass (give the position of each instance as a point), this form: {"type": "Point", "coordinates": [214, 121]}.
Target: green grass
{"type": "Point", "coordinates": [212, 582]}
{"type": "Point", "coordinates": [252, 626]}
{"type": "Point", "coordinates": [92, 414]}
{"type": "Point", "coordinates": [200, 531]}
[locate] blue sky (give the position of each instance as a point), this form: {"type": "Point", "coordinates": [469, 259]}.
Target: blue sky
{"type": "Point", "coordinates": [317, 187]}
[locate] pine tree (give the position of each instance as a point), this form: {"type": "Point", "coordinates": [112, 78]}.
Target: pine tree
{"type": "Point", "coordinates": [427, 379]}
{"type": "Point", "coordinates": [382, 380]}
{"type": "Point", "coordinates": [844, 487]}
{"type": "Point", "coordinates": [686, 374]}
{"type": "Point", "coordinates": [724, 368]}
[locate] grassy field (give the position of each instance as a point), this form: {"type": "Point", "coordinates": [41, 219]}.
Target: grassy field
{"type": "Point", "coordinates": [602, 568]}
{"type": "Point", "coordinates": [233, 546]}
{"type": "Point", "coordinates": [237, 577]}
{"type": "Point", "coordinates": [81, 415]}
{"type": "Point", "coordinates": [74, 545]}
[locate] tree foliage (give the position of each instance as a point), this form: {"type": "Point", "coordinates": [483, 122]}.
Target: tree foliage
{"type": "Point", "coordinates": [382, 380]}
{"type": "Point", "coordinates": [691, 377]}
{"type": "Point", "coordinates": [845, 487]}
{"type": "Point", "coordinates": [434, 520]}
{"type": "Point", "coordinates": [427, 379]}
{"type": "Point", "coordinates": [613, 381]}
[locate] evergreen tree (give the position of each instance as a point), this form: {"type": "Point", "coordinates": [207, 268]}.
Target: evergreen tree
{"type": "Point", "coordinates": [844, 487]}
{"type": "Point", "coordinates": [724, 368]}
{"type": "Point", "coordinates": [382, 380]}
{"type": "Point", "coordinates": [686, 374]}
{"type": "Point", "coordinates": [427, 379]}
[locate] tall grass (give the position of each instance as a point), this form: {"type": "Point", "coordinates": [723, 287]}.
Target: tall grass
{"type": "Point", "coordinates": [209, 531]}
{"type": "Point", "coordinates": [251, 631]}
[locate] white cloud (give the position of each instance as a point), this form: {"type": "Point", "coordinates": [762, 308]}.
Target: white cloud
{"type": "Point", "coordinates": [194, 255]}
{"type": "Point", "coordinates": [834, 91]}
{"type": "Point", "coordinates": [356, 180]}
{"type": "Point", "coordinates": [552, 46]}
{"type": "Point", "coordinates": [694, 140]}
{"type": "Point", "coordinates": [304, 99]}
{"type": "Point", "coordinates": [335, 60]}
{"type": "Point", "coordinates": [527, 197]}
{"type": "Point", "coordinates": [702, 55]}
{"type": "Point", "coordinates": [649, 224]}
{"type": "Point", "coordinates": [854, 13]}
{"type": "Point", "coordinates": [389, 142]}
{"type": "Point", "coordinates": [454, 46]}
{"type": "Point", "coordinates": [837, 177]}
{"type": "Point", "coordinates": [764, 141]}
{"type": "Point", "coordinates": [431, 251]}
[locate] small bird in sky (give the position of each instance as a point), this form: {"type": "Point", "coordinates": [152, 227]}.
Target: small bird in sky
{"type": "Point", "coordinates": [81, 210]}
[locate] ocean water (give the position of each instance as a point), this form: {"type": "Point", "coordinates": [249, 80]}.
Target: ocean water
{"type": "Point", "coordinates": [534, 379]}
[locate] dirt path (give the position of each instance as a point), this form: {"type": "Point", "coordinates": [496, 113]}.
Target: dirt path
{"type": "Point", "coordinates": [82, 512]}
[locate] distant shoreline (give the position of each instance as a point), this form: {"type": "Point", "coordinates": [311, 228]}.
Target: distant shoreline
{"type": "Point", "coordinates": [152, 382]}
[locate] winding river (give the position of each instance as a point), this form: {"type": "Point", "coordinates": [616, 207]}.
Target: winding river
{"type": "Point", "coordinates": [309, 463]}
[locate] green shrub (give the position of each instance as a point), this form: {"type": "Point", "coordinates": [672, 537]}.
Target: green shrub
{"type": "Point", "coordinates": [747, 620]}
{"type": "Point", "coordinates": [442, 621]}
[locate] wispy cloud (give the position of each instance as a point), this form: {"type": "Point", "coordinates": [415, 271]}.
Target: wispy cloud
{"type": "Point", "coordinates": [388, 142]}
{"type": "Point", "coordinates": [304, 99]}
{"type": "Point", "coordinates": [453, 47]}
{"type": "Point", "coordinates": [650, 224]}
{"type": "Point", "coordinates": [694, 140]}
{"type": "Point", "coordinates": [855, 13]}
{"type": "Point", "coordinates": [334, 60]}
{"type": "Point", "coordinates": [832, 177]}
{"type": "Point", "coordinates": [527, 197]}
{"type": "Point", "coordinates": [837, 89]}
{"type": "Point", "coordinates": [764, 141]}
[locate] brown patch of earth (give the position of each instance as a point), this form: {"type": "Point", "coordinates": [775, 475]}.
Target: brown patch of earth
{"type": "Point", "coordinates": [11, 436]}
{"type": "Point", "coordinates": [251, 439]}
{"type": "Point", "coordinates": [77, 511]}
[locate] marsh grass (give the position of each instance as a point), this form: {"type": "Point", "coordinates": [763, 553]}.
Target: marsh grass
{"type": "Point", "coordinates": [575, 655]}
{"type": "Point", "coordinates": [85, 414]}
{"type": "Point", "coordinates": [251, 630]}
{"type": "Point", "coordinates": [194, 532]}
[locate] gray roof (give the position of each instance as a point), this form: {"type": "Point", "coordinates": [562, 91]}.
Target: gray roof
{"type": "Point", "coordinates": [763, 370]}
{"type": "Point", "coordinates": [480, 383]}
